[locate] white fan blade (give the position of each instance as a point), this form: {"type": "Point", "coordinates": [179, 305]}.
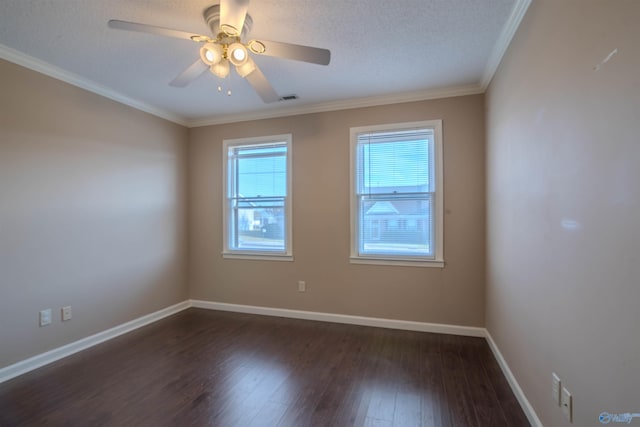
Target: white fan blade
{"type": "Point", "coordinates": [152, 29]}
{"type": "Point", "coordinates": [297, 52]}
{"type": "Point", "coordinates": [232, 15]}
{"type": "Point", "coordinates": [190, 74]}
{"type": "Point", "coordinates": [262, 86]}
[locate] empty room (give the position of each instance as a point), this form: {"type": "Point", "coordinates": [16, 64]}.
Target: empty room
{"type": "Point", "coordinates": [320, 213]}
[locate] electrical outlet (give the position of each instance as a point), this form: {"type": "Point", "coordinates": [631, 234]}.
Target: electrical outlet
{"type": "Point", "coordinates": [555, 388]}
{"type": "Point", "coordinates": [302, 286]}
{"type": "Point", "coordinates": [567, 404]}
{"type": "Point", "coordinates": [66, 313]}
{"type": "Point", "coordinates": [45, 317]}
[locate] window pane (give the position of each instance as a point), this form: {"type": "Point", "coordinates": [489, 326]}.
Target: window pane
{"type": "Point", "coordinates": [396, 201]}
{"type": "Point", "coordinates": [395, 226]}
{"type": "Point", "coordinates": [390, 163]}
{"type": "Point", "coordinates": [261, 150]}
{"type": "Point", "coordinates": [257, 186]}
{"type": "Point", "coordinates": [262, 176]}
{"type": "Point", "coordinates": [259, 228]}
{"type": "Point", "coordinates": [389, 167]}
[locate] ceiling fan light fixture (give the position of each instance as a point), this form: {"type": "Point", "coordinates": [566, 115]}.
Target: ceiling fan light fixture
{"type": "Point", "coordinates": [230, 23]}
{"type": "Point", "coordinates": [221, 69]}
{"type": "Point", "coordinates": [230, 30]}
{"type": "Point", "coordinates": [211, 53]}
{"type": "Point", "coordinates": [247, 68]}
{"type": "Point", "coordinates": [256, 46]}
{"type": "Point", "coordinates": [199, 39]}
{"type": "Point", "coordinates": [237, 54]}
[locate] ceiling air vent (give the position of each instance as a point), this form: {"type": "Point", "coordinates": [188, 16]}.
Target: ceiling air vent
{"type": "Point", "coordinates": [288, 97]}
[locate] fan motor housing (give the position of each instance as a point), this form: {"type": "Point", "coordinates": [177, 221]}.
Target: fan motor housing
{"type": "Point", "coordinates": [212, 18]}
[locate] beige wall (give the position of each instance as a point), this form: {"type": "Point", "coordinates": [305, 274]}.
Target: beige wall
{"type": "Point", "coordinates": [563, 162]}
{"type": "Point", "coordinates": [92, 212]}
{"type": "Point", "coordinates": [320, 153]}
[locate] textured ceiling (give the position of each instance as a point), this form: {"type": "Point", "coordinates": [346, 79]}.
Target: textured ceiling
{"type": "Point", "coordinates": [380, 50]}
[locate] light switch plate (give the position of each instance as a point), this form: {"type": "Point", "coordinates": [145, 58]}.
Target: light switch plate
{"type": "Point", "coordinates": [567, 404]}
{"type": "Point", "coordinates": [555, 388]}
{"type": "Point", "coordinates": [66, 313]}
{"type": "Point", "coordinates": [45, 317]}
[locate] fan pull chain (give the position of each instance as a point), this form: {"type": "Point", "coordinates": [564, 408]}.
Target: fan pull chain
{"type": "Point", "coordinates": [221, 89]}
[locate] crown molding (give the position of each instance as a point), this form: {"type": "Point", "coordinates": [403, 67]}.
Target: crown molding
{"type": "Point", "coordinates": [47, 69]}
{"type": "Point", "coordinates": [347, 104]}
{"type": "Point", "coordinates": [504, 40]}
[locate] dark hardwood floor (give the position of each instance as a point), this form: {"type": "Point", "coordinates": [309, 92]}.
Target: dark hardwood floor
{"type": "Point", "coordinates": [209, 368]}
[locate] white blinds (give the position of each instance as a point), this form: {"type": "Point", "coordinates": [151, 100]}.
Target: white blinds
{"type": "Point", "coordinates": [395, 162]}
{"type": "Point", "coordinates": [394, 189]}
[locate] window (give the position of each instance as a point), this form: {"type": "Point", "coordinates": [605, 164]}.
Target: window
{"type": "Point", "coordinates": [396, 194]}
{"type": "Point", "coordinates": [257, 198]}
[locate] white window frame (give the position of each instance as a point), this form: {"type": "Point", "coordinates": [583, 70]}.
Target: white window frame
{"type": "Point", "coordinates": [437, 260]}
{"type": "Point", "coordinates": [227, 252]}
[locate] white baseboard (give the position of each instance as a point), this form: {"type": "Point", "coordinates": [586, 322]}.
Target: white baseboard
{"type": "Point", "coordinates": [407, 325]}
{"type": "Point", "coordinates": [515, 387]}
{"type": "Point", "coordinates": [42, 359]}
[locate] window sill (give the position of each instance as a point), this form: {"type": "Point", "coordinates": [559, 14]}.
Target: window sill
{"type": "Point", "coordinates": [257, 257]}
{"type": "Point", "coordinates": [396, 262]}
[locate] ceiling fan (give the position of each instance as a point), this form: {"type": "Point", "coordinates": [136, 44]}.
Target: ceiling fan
{"type": "Point", "coordinates": [230, 23]}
